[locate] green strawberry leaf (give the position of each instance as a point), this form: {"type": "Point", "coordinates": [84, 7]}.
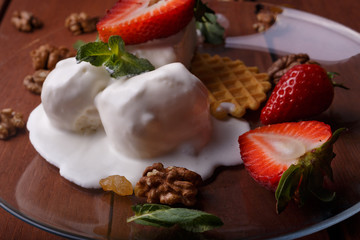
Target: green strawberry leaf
{"type": "Point", "coordinates": [303, 192]}
{"type": "Point", "coordinates": [206, 22]}
{"type": "Point", "coordinates": [164, 216]}
{"type": "Point", "coordinates": [331, 76]}
{"type": "Point", "coordinates": [316, 183]}
{"type": "Point", "coordinates": [113, 56]}
{"type": "Point", "coordinates": [322, 168]}
{"type": "Point", "coordinates": [332, 140]}
{"type": "Point", "coordinates": [288, 184]}
{"type": "Point", "coordinates": [307, 176]}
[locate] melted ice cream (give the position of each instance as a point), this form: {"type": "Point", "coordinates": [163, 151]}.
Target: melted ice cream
{"type": "Point", "coordinates": [85, 159]}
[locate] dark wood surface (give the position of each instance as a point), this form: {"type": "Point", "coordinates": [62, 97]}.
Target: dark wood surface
{"type": "Point", "coordinates": [345, 12]}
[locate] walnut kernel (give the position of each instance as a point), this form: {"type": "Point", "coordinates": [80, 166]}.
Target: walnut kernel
{"type": "Point", "coordinates": [46, 56]}
{"type": "Point", "coordinates": [266, 17]}
{"type": "Point", "coordinates": [34, 82]}
{"type": "Point", "coordinates": [283, 64]}
{"type": "Point", "coordinates": [79, 23]}
{"type": "Point", "coordinates": [25, 21]}
{"type": "Point", "coordinates": [169, 185]}
{"type": "Point", "coordinates": [10, 122]}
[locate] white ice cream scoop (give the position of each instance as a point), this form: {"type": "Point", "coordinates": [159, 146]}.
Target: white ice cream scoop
{"type": "Point", "coordinates": [156, 112]}
{"type": "Point", "coordinates": [68, 95]}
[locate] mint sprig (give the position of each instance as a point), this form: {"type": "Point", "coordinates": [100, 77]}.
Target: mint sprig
{"type": "Point", "coordinates": [114, 57]}
{"type": "Point", "coordinates": [206, 22]}
{"type": "Point", "coordinates": [164, 216]}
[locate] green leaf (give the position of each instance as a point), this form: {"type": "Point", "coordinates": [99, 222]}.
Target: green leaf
{"type": "Point", "coordinates": [113, 56]}
{"type": "Point", "coordinates": [199, 11]}
{"type": "Point", "coordinates": [316, 182]}
{"type": "Point", "coordinates": [95, 53]}
{"type": "Point", "coordinates": [303, 191]}
{"type": "Point", "coordinates": [148, 208]}
{"type": "Point", "coordinates": [116, 45]}
{"type": "Point", "coordinates": [165, 216]}
{"type": "Point", "coordinates": [206, 22]}
{"type": "Point", "coordinates": [331, 76]}
{"type": "Point", "coordinates": [287, 186]}
{"type": "Point", "coordinates": [333, 139]}
{"type": "Point", "coordinates": [307, 176]}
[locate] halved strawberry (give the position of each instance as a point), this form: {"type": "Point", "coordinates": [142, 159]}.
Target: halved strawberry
{"type": "Point", "coordinates": [291, 158]}
{"type": "Point", "coordinates": [138, 21]}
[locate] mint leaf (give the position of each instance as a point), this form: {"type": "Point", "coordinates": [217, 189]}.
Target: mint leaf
{"type": "Point", "coordinates": [128, 64]}
{"type": "Point", "coordinates": [148, 208]}
{"type": "Point", "coordinates": [206, 22]}
{"type": "Point", "coordinates": [95, 53]}
{"type": "Point", "coordinates": [113, 56]}
{"type": "Point", "coordinates": [116, 45]}
{"type": "Point", "coordinates": [165, 216]}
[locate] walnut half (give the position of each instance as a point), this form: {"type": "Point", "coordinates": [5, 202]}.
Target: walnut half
{"type": "Point", "coordinates": [10, 122]}
{"type": "Point", "coordinates": [34, 82]}
{"type": "Point", "coordinates": [79, 23]}
{"type": "Point", "coordinates": [25, 21]}
{"type": "Point", "coordinates": [46, 56]}
{"type": "Point", "coordinates": [266, 17]}
{"type": "Point", "coordinates": [169, 185]}
{"type": "Point", "coordinates": [283, 64]}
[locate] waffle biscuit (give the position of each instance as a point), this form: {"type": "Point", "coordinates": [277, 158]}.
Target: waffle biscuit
{"type": "Point", "coordinates": [232, 86]}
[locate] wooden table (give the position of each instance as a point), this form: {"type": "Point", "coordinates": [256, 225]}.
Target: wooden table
{"type": "Point", "coordinates": [344, 12]}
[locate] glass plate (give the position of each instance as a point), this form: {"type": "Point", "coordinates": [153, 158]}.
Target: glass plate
{"type": "Point", "coordinates": [33, 190]}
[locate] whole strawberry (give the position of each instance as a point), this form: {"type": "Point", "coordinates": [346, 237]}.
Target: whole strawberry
{"type": "Point", "coordinates": [303, 91]}
{"type": "Point", "coordinates": [291, 159]}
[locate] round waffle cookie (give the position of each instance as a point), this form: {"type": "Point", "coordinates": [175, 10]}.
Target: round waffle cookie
{"type": "Point", "coordinates": [232, 86]}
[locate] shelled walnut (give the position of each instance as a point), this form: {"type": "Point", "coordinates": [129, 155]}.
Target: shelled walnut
{"type": "Point", "coordinates": [25, 21]}
{"type": "Point", "coordinates": [266, 17]}
{"type": "Point", "coordinates": [46, 56]}
{"type": "Point", "coordinates": [79, 23]}
{"type": "Point", "coordinates": [34, 82]}
{"type": "Point", "coordinates": [283, 64]}
{"type": "Point", "coordinates": [10, 122]}
{"type": "Point", "coordinates": [169, 185]}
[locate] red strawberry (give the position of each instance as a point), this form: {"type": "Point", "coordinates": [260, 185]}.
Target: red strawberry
{"type": "Point", "coordinates": [291, 158]}
{"type": "Point", "coordinates": [138, 21]}
{"type": "Point", "coordinates": [303, 91]}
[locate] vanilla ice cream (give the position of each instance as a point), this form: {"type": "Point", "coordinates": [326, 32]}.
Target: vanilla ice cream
{"type": "Point", "coordinates": [156, 112]}
{"type": "Point", "coordinates": [68, 95]}
{"type": "Point", "coordinates": [179, 47]}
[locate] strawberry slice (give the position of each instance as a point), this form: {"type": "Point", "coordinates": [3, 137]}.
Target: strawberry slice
{"type": "Point", "coordinates": [291, 158]}
{"type": "Point", "coordinates": [138, 21]}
